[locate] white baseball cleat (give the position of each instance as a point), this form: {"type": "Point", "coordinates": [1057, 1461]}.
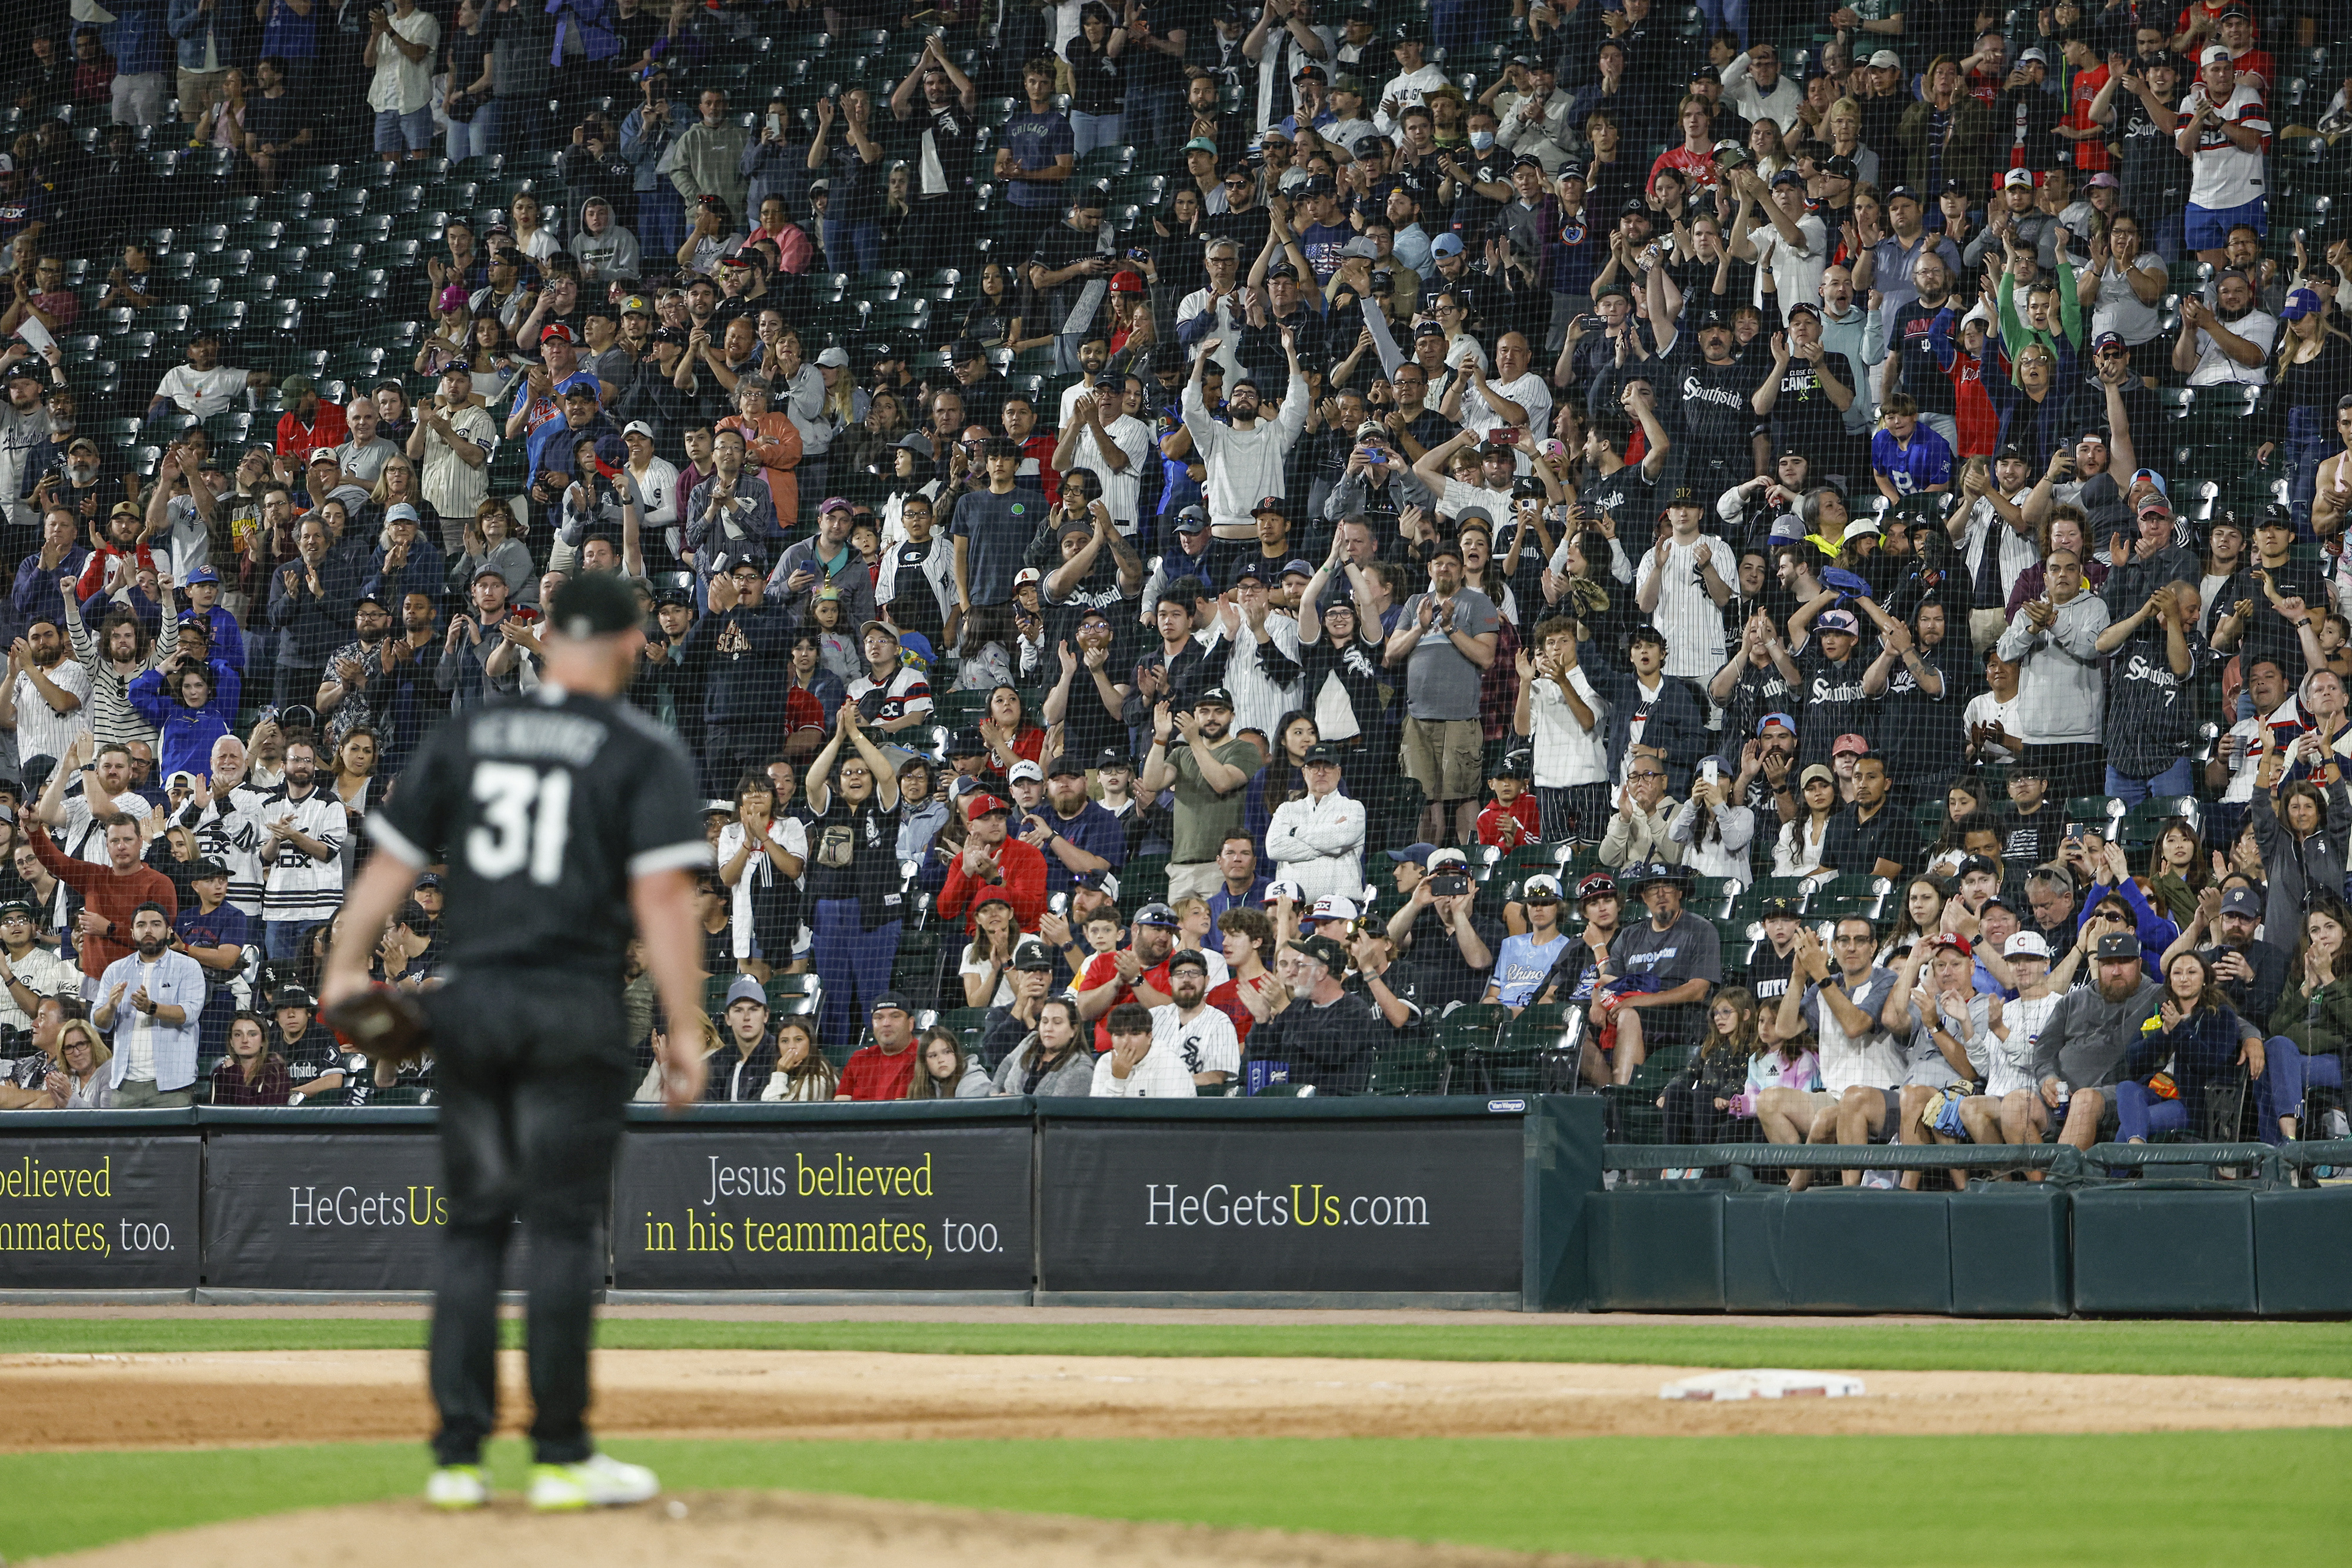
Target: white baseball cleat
{"type": "Point", "coordinates": [597, 1481]}
{"type": "Point", "coordinates": [457, 1486]}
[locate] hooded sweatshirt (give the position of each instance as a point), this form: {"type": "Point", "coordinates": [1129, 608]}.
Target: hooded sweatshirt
{"type": "Point", "coordinates": [2087, 1038]}
{"type": "Point", "coordinates": [2060, 688]}
{"type": "Point", "coordinates": [610, 253]}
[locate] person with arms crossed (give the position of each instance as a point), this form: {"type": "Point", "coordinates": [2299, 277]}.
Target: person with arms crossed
{"type": "Point", "coordinates": [559, 821]}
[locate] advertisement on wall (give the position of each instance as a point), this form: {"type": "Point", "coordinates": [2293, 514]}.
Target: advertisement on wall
{"type": "Point", "coordinates": [339, 1211]}
{"type": "Point", "coordinates": [824, 1207]}
{"type": "Point", "coordinates": [98, 1213]}
{"type": "Point", "coordinates": [1268, 1206]}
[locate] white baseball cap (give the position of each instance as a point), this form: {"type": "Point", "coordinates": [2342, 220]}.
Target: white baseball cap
{"type": "Point", "coordinates": [1332, 907]}
{"type": "Point", "coordinates": [1025, 768]}
{"type": "Point", "coordinates": [2025, 945]}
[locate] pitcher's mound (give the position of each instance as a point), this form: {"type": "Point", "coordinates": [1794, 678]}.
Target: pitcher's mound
{"type": "Point", "coordinates": [759, 1530]}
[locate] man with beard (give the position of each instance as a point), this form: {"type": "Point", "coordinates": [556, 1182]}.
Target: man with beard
{"type": "Point", "coordinates": [2080, 1055]}
{"type": "Point", "coordinates": [1089, 697]}
{"type": "Point", "coordinates": [1077, 836]}
{"type": "Point", "coordinates": [2251, 972]}
{"type": "Point", "coordinates": [24, 426]}
{"type": "Point", "coordinates": [149, 1000]}
{"type": "Point", "coordinates": [371, 680]}
{"type": "Point", "coordinates": [1712, 378]}
{"type": "Point", "coordinates": [302, 827]}
{"type": "Point", "coordinates": [941, 133]}
{"type": "Point", "coordinates": [1911, 365]}
{"type": "Point", "coordinates": [1328, 1034]}
{"type": "Point", "coordinates": [47, 698]}
{"type": "Point", "coordinates": [1190, 1030]}
{"type": "Point", "coordinates": [1101, 434]}
{"type": "Point", "coordinates": [2228, 342]}
{"type": "Point", "coordinates": [1208, 771]}
{"type": "Point", "coordinates": [1114, 979]}
{"type": "Point", "coordinates": [112, 894]}
{"type": "Point", "coordinates": [1245, 455]}
{"type": "Point", "coordinates": [309, 423]}
{"type": "Point", "coordinates": [1445, 640]}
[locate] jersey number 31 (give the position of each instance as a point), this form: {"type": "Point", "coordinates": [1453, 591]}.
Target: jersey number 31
{"type": "Point", "coordinates": [526, 817]}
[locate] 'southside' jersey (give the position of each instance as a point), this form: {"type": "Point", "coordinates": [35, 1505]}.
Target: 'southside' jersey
{"type": "Point", "coordinates": [544, 812]}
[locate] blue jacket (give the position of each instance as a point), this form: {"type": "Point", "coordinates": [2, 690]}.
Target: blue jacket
{"type": "Point", "coordinates": [422, 574]}
{"type": "Point", "coordinates": [645, 151]}
{"type": "Point", "coordinates": [189, 27]}
{"type": "Point", "coordinates": [36, 595]}
{"type": "Point", "coordinates": [140, 38]}
{"type": "Point", "coordinates": [1676, 726]}
{"type": "Point", "coordinates": [188, 733]}
{"type": "Point", "coordinates": [2155, 932]}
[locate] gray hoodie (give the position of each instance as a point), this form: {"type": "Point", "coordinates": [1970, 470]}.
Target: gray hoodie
{"type": "Point", "coordinates": [2060, 688]}
{"type": "Point", "coordinates": [2087, 1036]}
{"type": "Point", "coordinates": [1075, 1076]}
{"type": "Point", "coordinates": [611, 253]}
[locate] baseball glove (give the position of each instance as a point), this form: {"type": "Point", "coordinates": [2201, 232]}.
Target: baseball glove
{"type": "Point", "coordinates": [382, 1024]}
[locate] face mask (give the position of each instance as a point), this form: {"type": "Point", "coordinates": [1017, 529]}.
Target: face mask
{"type": "Point", "coordinates": [1482, 140]}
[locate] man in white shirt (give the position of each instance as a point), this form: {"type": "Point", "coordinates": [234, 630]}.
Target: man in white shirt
{"type": "Point", "coordinates": [1100, 434]}
{"type": "Point", "coordinates": [1188, 1030]}
{"type": "Point", "coordinates": [1497, 468]}
{"type": "Point", "coordinates": [46, 700]}
{"type": "Point", "coordinates": [1681, 586]}
{"type": "Point", "coordinates": [150, 1000]}
{"type": "Point", "coordinates": [1513, 395]}
{"type": "Point", "coordinates": [81, 819]}
{"type": "Point", "coordinates": [1131, 1068]}
{"type": "Point", "coordinates": [1262, 672]}
{"type": "Point", "coordinates": [202, 386]}
{"type": "Point", "coordinates": [1791, 242]}
{"type": "Point", "coordinates": [1414, 80]}
{"type": "Point", "coordinates": [1754, 87]}
{"type": "Point", "coordinates": [1863, 1068]}
{"type": "Point", "coordinates": [2229, 341]}
{"type": "Point", "coordinates": [1560, 712]}
{"type": "Point", "coordinates": [1220, 299]}
{"type": "Point", "coordinates": [1317, 840]}
{"type": "Point", "coordinates": [1244, 457]}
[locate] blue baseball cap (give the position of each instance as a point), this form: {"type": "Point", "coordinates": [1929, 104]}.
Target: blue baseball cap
{"type": "Point", "coordinates": [1417, 853]}
{"type": "Point", "coordinates": [1450, 244]}
{"type": "Point", "coordinates": [199, 574]}
{"type": "Point", "coordinates": [2301, 303]}
{"type": "Point", "coordinates": [1782, 719]}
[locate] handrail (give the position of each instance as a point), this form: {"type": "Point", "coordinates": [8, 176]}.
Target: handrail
{"type": "Point", "coordinates": [2062, 1161]}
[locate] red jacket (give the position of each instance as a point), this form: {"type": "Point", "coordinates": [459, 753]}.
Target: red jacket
{"type": "Point", "coordinates": [116, 896]}
{"type": "Point", "coordinates": [1509, 829]}
{"type": "Point", "coordinates": [328, 428]}
{"type": "Point", "coordinates": [1021, 872]}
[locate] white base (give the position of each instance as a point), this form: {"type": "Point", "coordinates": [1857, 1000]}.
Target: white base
{"type": "Point", "coordinates": [1764, 1383]}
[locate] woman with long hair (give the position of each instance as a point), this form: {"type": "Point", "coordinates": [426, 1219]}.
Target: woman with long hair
{"type": "Point", "coordinates": [1767, 147]}
{"type": "Point", "coordinates": [987, 968]}
{"type": "Point", "coordinates": [2300, 829]}
{"type": "Point", "coordinates": [251, 1073]}
{"type": "Point", "coordinates": [2169, 1072]}
{"type": "Point", "coordinates": [805, 670]}
{"type": "Point", "coordinates": [1714, 829]}
{"type": "Point", "coordinates": [1284, 777]}
{"type": "Point", "coordinates": [491, 357]}
{"type": "Point", "coordinates": [532, 237]}
{"type": "Point", "coordinates": [359, 786]}
{"type": "Point", "coordinates": [899, 237]}
{"type": "Point", "coordinates": [224, 124]}
{"type": "Point", "coordinates": [649, 1088]}
{"type": "Point", "coordinates": [1697, 1101]}
{"type": "Point", "coordinates": [2298, 408]}
{"type": "Point", "coordinates": [1922, 917]}
{"type": "Point", "coordinates": [1050, 1061]}
{"type": "Point", "coordinates": [1797, 850]}
{"type": "Point", "coordinates": [1097, 79]}
{"type": "Point", "coordinates": [1581, 582]}
{"type": "Point", "coordinates": [802, 1073]}
{"type": "Point", "coordinates": [2227, 577]}
{"type": "Point", "coordinates": [494, 538]}
{"type": "Point", "coordinates": [453, 325]}
{"type": "Point", "coordinates": [80, 1080]}
{"type": "Point", "coordinates": [2310, 1025]}
{"type": "Point", "coordinates": [944, 1070]}
{"type": "Point", "coordinates": [1008, 732]}
{"type": "Point", "coordinates": [2178, 870]}
{"type": "Point", "coordinates": [395, 485]}
{"type": "Point", "coordinates": [994, 319]}
{"type": "Point", "coordinates": [1181, 253]}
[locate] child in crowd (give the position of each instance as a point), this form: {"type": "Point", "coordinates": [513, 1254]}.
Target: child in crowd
{"type": "Point", "coordinates": [1511, 819]}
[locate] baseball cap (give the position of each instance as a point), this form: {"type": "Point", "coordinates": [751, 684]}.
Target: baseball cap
{"type": "Point", "coordinates": [2108, 340]}
{"type": "Point", "coordinates": [1025, 770]}
{"type": "Point", "coordinates": [2018, 177]}
{"type": "Point", "coordinates": [2214, 55]}
{"type": "Point", "coordinates": [1191, 520]}
{"type": "Point", "coordinates": [1158, 914]}
{"type": "Point", "coordinates": [2242, 900]}
{"type": "Point", "coordinates": [1319, 755]}
{"type": "Point", "coordinates": [1951, 942]}
{"type": "Point", "coordinates": [984, 805]}
{"type": "Point", "coordinates": [1841, 167]}
{"type": "Point", "coordinates": [1770, 719]}
{"type": "Point", "coordinates": [1368, 146]}
{"type": "Point", "coordinates": [557, 329]}
{"type": "Point", "coordinates": [1028, 575]}
{"type": "Point", "coordinates": [1447, 857]}
{"type": "Point", "coordinates": [1188, 959]}
{"type": "Point", "coordinates": [2301, 303]}
{"type": "Point", "coordinates": [1887, 61]}
{"type": "Point", "coordinates": [1837, 621]}
{"type": "Point", "coordinates": [1595, 884]}
{"type": "Point", "coordinates": [1200, 144]}
{"type": "Point", "coordinates": [2025, 945]}
{"type": "Point", "coordinates": [1324, 951]}
{"type": "Point", "coordinates": [1816, 770]}
{"type": "Point", "coordinates": [834, 359]}
{"type": "Point", "coordinates": [199, 574]}
{"type": "Point", "coordinates": [1216, 697]}
{"type": "Point", "coordinates": [2034, 54]}
{"type": "Point", "coordinates": [1788, 177]}
{"type": "Point", "coordinates": [2103, 179]}
{"type": "Point", "coordinates": [292, 996]}
{"type": "Point", "coordinates": [916, 441]}
{"type": "Point", "coordinates": [1779, 905]}
{"type": "Point", "coordinates": [1450, 244]}
{"type": "Point", "coordinates": [1849, 743]}
{"type": "Point", "coordinates": [1331, 906]}
{"type": "Point", "coordinates": [1032, 957]}
{"type": "Point", "coordinates": [1541, 889]}
{"type": "Point", "coordinates": [746, 989]}
{"type": "Point", "coordinates": [2118, 944]}
{"type": "Point", "coordinates": [1418, 854]}
{"type": "Point", "coordinates": [888, 1000]}
{"type": "Point", "coordinates": [1903, 192]}
{"type": "Point", "coordinates": [1974, 863]}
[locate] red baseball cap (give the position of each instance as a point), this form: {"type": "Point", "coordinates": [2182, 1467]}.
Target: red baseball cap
{"type": "Point", "coordinates": [1853, 743]}
{"type": "Point", "coordinates": [981, 805]}
{"type": "Point", "coordinates": [1952, 941]}
{"type": "Point", "coordinates": [558, 330]}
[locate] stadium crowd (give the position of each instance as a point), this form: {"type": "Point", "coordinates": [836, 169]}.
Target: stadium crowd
{"type": "Point", "coordinates": [1782, 565]}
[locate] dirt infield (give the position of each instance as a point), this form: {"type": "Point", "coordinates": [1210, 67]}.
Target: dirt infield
{"type": "Point", "coordinates": [293, 1396]}
{"type": "Point", "coordinates": [755, 1529]}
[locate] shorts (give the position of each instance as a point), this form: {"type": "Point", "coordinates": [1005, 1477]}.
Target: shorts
{"type": "Point", "coordinates": [2207, 228]}
{"type": "Point", "coordinates": [398, 132]}
{"type": "Point", "coordinates": [1890, 1126]}
{"type": "Point", "coordinates": [1446, 758]}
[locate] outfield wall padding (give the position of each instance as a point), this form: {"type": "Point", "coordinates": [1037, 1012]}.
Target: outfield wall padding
{"type": "Point", "coordinates": [1438, 1201]}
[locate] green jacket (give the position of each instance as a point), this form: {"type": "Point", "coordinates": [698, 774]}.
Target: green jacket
{"type": "Point", "coordinates": [2318, 1021]}
{"type": "Point", "coordinates": [1968, 150]}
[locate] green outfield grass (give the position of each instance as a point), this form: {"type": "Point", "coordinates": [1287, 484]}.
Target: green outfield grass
{"type": "Point", "coordinates": [2135, 1500]}
{"type": "Point", "coordinates": [2230, 1349]}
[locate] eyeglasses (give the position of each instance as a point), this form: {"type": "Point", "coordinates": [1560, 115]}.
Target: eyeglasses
{"type": "Point", "coordinates": [1646, 773]}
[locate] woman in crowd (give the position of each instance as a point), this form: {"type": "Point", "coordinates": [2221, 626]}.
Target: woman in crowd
{"type": "Point", "coordinates": [251, 1073]}
{"type": "Point", "coordinates": [1797, 852]}
{"type": "Point", "coordinates": [1050, 1060]}
{"type": "Point", "coordinates": [922, 810]}
{"type": "Point", "coordinates": [1697, 1100]}
{"type": "Point", "coordinates": [943, 1070]}
{"type": "Point", "coordinates": [2298, 408]}
{"type": "Point", "coordinates": [987, 968]}
{"type": "Point", "coordinates": [802, 1075]}
{"type": "Point", "coordinates": [81, 1079]}
{"type": "Point", "coordinates": [1008, 732]}
{"type": "Point", "coordinates": [1922, 916]}
{"type": "Point", "coordinates": [649, 1088]}
{"type": "Point", "coordinates": [1097, 79]}
{"type": "Point", "coordinates": [807, 673]}
{"type": "Point", "coordinates": [1713, 829]}
{"type": "Point", "coordinates": [2178, 870]}
{"type": "Point", "coordinates": [1285, 777]}
{"type": "Point", "coordinates": [491, 358]}
{"type": "Point", "coordinates": [2226, 579]}
{"type": "Point", "coordinates": [453, 324]}
{"type": "Point", "coordinates": [494, 538]}
{"type": "Point", "coordinates": [2170, 1072]}
{"type": "Point", "coordinates": [2310, 1025]}
{"type": "Point", "coordinates": [2300, 829]}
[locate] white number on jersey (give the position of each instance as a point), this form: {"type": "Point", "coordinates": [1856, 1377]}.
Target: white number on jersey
{"type": "Point", "coordinates": [526, 817]}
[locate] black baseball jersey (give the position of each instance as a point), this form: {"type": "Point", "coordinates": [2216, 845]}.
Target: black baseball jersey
{"type": "Point", "coordinates": [544, 812]}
